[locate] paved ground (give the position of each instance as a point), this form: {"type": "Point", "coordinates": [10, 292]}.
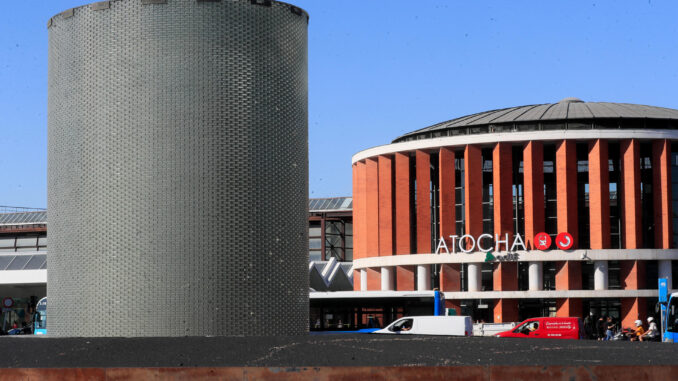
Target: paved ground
{"type": "Point", "coordinates": [323, 350]}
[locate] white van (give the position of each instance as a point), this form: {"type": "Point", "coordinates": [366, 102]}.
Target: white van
{"type": "Point", "coordinates": [430, 325]}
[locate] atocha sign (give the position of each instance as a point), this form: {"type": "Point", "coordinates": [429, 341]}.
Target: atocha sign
{"type": "Point", "coordinates": [468, 244]}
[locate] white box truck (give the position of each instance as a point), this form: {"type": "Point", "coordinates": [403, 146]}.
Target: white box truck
{"type": "Point", "coordinates": [430, 325]}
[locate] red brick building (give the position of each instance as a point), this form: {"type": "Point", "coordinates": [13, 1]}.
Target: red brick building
{"type": "Point", "coordinates": [457, 205]}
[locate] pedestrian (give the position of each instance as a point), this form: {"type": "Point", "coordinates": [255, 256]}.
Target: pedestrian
{"type": "Point", "coordinates": [600, 328]}
{"type": "Point", "coordinates": [588, 325]}
{"type": "Point", "coordinates": [609, 328]}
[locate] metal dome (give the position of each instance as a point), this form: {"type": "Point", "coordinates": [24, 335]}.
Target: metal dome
{"type": "Point", "coordinates": [568, 109]}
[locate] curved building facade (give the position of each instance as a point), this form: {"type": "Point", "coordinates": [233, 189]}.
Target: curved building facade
{"type": "Point", "coordinates": [555, 209]}
{"type": "Point", "coordinates": [178, 169]}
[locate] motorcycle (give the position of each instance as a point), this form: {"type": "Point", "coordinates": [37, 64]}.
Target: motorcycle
{"type": "Point", "coordinates": [624, 334]}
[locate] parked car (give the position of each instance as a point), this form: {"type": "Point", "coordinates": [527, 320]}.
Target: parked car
{"type": "Point", "coordinates": [547, 328]}
{"type": "Point", "coordinates": [430, 325]}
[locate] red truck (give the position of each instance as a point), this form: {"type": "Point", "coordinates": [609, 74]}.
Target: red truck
{"type": "Point", "coordinates": [547, 328]}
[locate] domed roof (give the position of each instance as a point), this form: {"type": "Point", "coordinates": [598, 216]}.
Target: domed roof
{"type": "Point", "coordinates": [568, 109]}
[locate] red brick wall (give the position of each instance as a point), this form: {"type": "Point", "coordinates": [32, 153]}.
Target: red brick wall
{"type": "Point", "coordinates": [566, 188]}
{"type": "Point", "coordinates": [386, 206]}
{"type": "Point", "coordinates": [474, 190]}
{"type": "Point", "coordinates": [661, 185]}
{"type": "Point", "coordinates": [423, 163]}
{"type": "Point", "coordinates": [533, 188]}
{"type": "Point", "coordinates": [599, 195]}
{"type": "Point", "coordinates": [631, 212]}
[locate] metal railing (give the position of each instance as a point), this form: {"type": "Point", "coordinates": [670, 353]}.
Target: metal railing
{"type": "Point", "coordinates": [19, 209]}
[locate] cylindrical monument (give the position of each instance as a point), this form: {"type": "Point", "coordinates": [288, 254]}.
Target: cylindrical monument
{"type": "Point", "coordinates": [178, 169]}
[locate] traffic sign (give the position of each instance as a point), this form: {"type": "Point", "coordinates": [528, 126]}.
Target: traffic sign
{"type": "Point", "coordinates": [7, 302]}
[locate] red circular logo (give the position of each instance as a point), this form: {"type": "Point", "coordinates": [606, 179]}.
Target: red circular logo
{"type": "Point", "coordinates": [542, 241]}
{"type": "Point", "coordinates": [564, 241]}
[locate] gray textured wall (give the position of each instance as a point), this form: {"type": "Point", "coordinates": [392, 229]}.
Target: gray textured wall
{"type": "Point", "coordinates": [178, 169]}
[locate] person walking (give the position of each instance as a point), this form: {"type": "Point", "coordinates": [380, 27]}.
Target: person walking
{"type": "Point", "coordinates": [600, 328]}
{"type": "Point", "coordinates": [609, 328]}
{"type": "Point", "coordinates": [588, 326]}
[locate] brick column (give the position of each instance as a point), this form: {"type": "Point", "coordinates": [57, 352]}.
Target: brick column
{"type": "Point", "coordinates": [633, 309]}
{"type": "Point", "coordinates": [450, 278]}
{"type": "Point", "coordinates": [372, 220]}
{"type": "Point", "coordinates": [632, 275]}
{"type": "Point", "coordinates": [423, 173]}
{"type": "Point", "coordinates": [385, 206]}
{"type": "Point", "coordinates": [568, 273]}
{"type": "Point", "coordinates": [403, 226]}
{"type": "Point", "coordinates": [423, 162]}
{"type": "Point", "coordinates": [372, 208]}
{"type": "Point", "coordinates": [505, 310]}
{"type": "Point", "coordinates": [374, 279]}
{"type": "Point", "coordinates": [505, 274]}
{"type": "Point", "coordinates": [359, 225]}
{"type": "Point", "coordinates": [569, 307]}
{"type": "Point", "coordinates": [661, 189]}
{"type": "Point", "coordinates": [631, 212]}
{"type": "Point", "coordinates": [599, 195]}
{"type": "Point", "coordinates": [473, 180]}
{"type": "Point", "coordinates": [446, 185]}
{"type": "Point", "coordinates": [502, 185]}
{"type": "Point", "coordinates": [533, 188]}
{"type": "Point", "coordinates": [566, 188]}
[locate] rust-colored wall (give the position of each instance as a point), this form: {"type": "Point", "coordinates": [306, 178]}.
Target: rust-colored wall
{"type": "Point", "coordinates": [385, 205]}
{"type": "Point", "coordinates": [502, 184]}
{"type": "Point", "coordinates": [631, 212]}
{"type": "Point", "coordinates": [661, 186]}
{"type": "Point", "coordinates": [633, 309]}
{"type": "Point", "coordinates": [568, 275]}
{"type": "Point", "coordinates": [372, 207]}
{"type": "Point", "coordinates": [505, 276]}
{"type": "Point", "coordinates": [632, 274]}
{"type": "Point", "coordinates": [566, 188]}
{"type": "Point", "coordinates": [374, 279]}
{"type": "Point", "coordinates": [403, 226]}
{"type": "Point", "coordinates": [533, 188]}
{"type": "Point", "coordinates": [446, 185]}
{"type": "Point", "coordinates": [405, 278]}
{"type": "Point", "coordinates": [359, 211]}
{"type": "Point", "coordinates": [505, 310]}
{"type": "Point", "coordinates": [473, 194]}
{"type": "Point", "coordinates": [569, 307]}
{"type": "Point", "coordinates": [450, 277]}
{"type": "Point", "coordinates": [599, 195]}
{"type": "Point", "coordinates": [423, 163]}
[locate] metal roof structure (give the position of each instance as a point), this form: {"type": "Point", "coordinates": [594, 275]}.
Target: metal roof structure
{"type": "Point", "coordinates": [330, 275]}
{"type": "Point", "coordinates": [330, 204]}
{"type": "Point", "coordinates": [24, 218]}
{"type": "Point", "coordinates": [567, 110]}
{"type": "Point", "coordinates": [23, 262]}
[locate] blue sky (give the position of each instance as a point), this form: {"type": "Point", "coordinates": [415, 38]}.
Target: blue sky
{"type": "Point", "coordinates": [378, 69]}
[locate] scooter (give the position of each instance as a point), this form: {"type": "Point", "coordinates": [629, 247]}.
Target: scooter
{"type": "Point", "coordinates": [623, 335]}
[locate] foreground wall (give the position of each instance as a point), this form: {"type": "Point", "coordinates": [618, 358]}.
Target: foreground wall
{"type": "Point", "coordinates": [178, 169]}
